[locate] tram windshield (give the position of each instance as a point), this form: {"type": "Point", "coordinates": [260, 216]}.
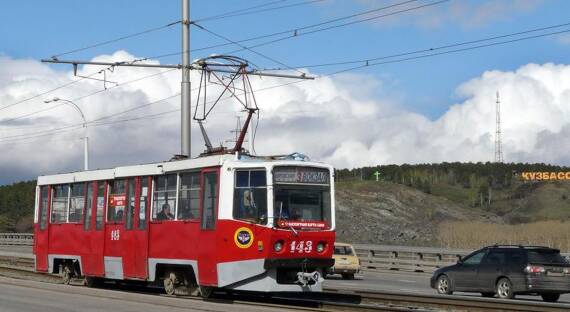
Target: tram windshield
{"type": "Point", "coordinates": [301, 194]}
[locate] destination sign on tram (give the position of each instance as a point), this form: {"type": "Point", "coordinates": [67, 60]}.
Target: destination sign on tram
{"type": "Point", "coordinates": [300, 175]}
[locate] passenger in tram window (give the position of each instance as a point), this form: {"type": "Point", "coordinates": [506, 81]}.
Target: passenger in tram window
{"type": "Point", "coordinates": [119, 213]}
{"type": "Point", "coordinates": [165, 213]}
{"type": "Point", "coordinates": [185, 212]}
{"type": "Point", "coordinates": [248, 210]}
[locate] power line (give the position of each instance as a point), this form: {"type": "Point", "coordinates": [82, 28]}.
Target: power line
{"type": "Point", "coordinates": [48, 91]}
{"type": "Point", "coordinates": [368, 60]}
{"type": "Point", "coordinates": [248, 12]}
{"type": "Point", "coordinates": [79, 125]}
{"type": "Point", "coordinates": [294, 32]}
{"type": "Point", "coordinates": [244, 47]}
{"type": "Point", "coordinates": [85, 96]}
{"type": "Point", "coordinates": [297, 34]}
{"type": "Point", "coordinates": [455, 51]}
{"type": "Point", "coordinates": [116, 39]}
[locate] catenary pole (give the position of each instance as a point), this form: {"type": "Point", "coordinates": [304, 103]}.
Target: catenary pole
{"type": "Point", "coordinates": [185, 84]}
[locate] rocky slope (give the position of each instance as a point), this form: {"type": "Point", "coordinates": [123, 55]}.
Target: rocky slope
{"type": "Point", "coordinates": [388, 213]}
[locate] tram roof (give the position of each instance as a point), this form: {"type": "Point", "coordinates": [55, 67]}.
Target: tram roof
{"type": "Point", "coordinates": [159, 168]}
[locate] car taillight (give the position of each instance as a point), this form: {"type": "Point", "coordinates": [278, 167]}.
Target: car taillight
{"type": "Point", "coordinates": [534, 269]}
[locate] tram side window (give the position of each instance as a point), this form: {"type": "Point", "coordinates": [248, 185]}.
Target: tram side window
{"type": "Point", "coordinates": [117, 201]}
{"type": "Point", "coordinates": [100, 205]}
{"type": "Point", "coordinates": [189, 196]}
{"type": "Point", "coordinates": [143, 203]}
{"type": "Point", "coordinates": [44, 190]}
{"type": "Point", "coordinates": [209, 200]}
{"type": "Point", "coordinates": [164, 197]}
{"type": "Point", "coordinates": [88, 207]}
{"type": "Point", "coordinates": [76, 202]}
{"type": "Point", "coordinates": [250, 196]}
{"type": "Point", "coordinates": [59, 203]}
{"type": "Point", "coordinates": [130, 208]}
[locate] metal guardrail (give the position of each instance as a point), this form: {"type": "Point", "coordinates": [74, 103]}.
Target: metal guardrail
{"type": "Point", "coordinates": [404, 258]}
{"type": "Point", "coordinates": [17, 239]}
{"type": "Point", "coordinates": [372, 257]}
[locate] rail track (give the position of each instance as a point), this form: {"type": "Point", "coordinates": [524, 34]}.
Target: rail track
{"type": "Point", "coordinates": [17, 265]}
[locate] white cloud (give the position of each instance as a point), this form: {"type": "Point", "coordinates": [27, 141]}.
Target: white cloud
{"type": "Point", "coordinates": [341, 120]}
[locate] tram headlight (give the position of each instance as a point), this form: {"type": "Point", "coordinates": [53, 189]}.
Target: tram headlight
{"type": "Point", "coordinates": [320, 247]}
{"type": "Point", "coordinates": [278, 246]}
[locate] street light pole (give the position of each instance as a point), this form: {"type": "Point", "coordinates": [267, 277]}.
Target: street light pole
{"type": "Point", "coordinates": [85, 137]}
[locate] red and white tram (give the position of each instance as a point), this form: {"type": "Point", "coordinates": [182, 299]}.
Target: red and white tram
{"type": "Point", "coordinates": [224, 221]}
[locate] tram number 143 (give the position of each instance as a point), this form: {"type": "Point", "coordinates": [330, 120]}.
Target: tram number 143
{"type": "Point", "coordinates": [115, 235]}
{"type": "Point", "coordinates": [301, 246]}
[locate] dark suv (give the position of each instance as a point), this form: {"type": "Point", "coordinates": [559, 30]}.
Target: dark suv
{"type": "Point", "coordinates": [507, 270]}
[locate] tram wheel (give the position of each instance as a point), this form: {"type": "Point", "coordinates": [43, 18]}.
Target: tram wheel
{"type": "Point", "coordinates": [66, 274]}
{"type": "Point", "coordinates": [170, 284]}
{"type": "Point", "coordinates": [206, 292]}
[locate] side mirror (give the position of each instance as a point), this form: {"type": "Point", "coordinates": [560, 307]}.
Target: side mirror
{"type": "Point", "coordinates": [460, 260]}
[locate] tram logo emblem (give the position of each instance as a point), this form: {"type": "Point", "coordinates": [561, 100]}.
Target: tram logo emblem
{"type": "Point", "coordinates": [243, 237]}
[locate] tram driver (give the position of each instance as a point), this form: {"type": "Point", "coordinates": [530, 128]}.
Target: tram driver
{"type": "Point", "coordinates": [165, 213]}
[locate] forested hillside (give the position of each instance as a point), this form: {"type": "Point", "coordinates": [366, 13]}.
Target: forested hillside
{"type": "Point", "coordinates": [492, 187]}
{"type": "Point", "coordinates": [17, 206]}
{"type": "Point", "coordinates": [405, 194]}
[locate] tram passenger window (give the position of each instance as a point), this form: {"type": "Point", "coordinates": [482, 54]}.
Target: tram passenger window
{"type": "Point", "coordinates": [100, 205]}
{"type": "Point", "coordinates": [250, 196]}
{"type": "Point", "coordinates": [76, 202]}
{"type": "Point", "coordinates": [209, 200]}
{"type": "Point", "coordinates": [130, 208]}
{"type": "Point", "coordinates": [59, 203]}
{"type": "Point", "coordinates": [189, 196]}
{"type": "Point", "coordinates": [117, 201]}
{"type": "Point", "coordinates": [164, 197]}
{"type": "Point", "coordinates": [143, 203]}
{"type": "Point", "coordinates": [44, 190]}
{"type": "Point", "coordinates": [88, 207]}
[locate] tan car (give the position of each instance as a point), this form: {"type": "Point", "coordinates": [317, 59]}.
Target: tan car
{"type": "Point", "coordinates": [346, 263]}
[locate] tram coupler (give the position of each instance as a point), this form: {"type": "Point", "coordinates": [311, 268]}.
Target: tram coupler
{"type": "Point", "coordinates": [306, 278]}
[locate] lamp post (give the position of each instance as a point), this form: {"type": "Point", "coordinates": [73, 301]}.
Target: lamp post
{"type": "Point", "coordinates": [85, 138]}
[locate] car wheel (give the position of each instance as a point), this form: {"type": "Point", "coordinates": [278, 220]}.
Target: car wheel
{"type": "Point", "coordinates": [348, 276]}
{"type": "Point", "coordinates": [443, 285]}
{"type": "Point", "coordinates": [505, 289]}
{"type": "Point", "coordinates": [488, 294]}
{"type": "Point", "coordinates": [550, 297]}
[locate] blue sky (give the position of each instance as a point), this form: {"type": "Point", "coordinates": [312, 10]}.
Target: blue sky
{"type": "Point", "coordinates": [39, 29]}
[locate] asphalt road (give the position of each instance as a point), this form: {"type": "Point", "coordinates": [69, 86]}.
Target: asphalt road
{"type": "Point", "coordinates": [403, 282]}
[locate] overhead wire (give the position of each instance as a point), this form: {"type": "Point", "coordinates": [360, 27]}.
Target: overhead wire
{"type": "Point", "coordinates": [249, 12]}
{"type": "Point", "coordinates": [426, 55]}
{"type": "Point", "coordinates": [457, 44]}
{"type": "Point", "coordinates": [116, 39]}
{"type": "Point", "coordinates": [244, 47]}
{"type": "Point", "coordinates": [294, 32]}
{"type": "Point", "coordinates": [122, 84]}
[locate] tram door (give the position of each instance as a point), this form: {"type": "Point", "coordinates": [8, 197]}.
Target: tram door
{"type": "Point", "coordinates": [135, 251]}
{"type": "Point", "coordinates": [97, 234]}
{"type": "Point", "coordinates": [207, 258]}
{"type": "Point", "coordinates": [42, 231]}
